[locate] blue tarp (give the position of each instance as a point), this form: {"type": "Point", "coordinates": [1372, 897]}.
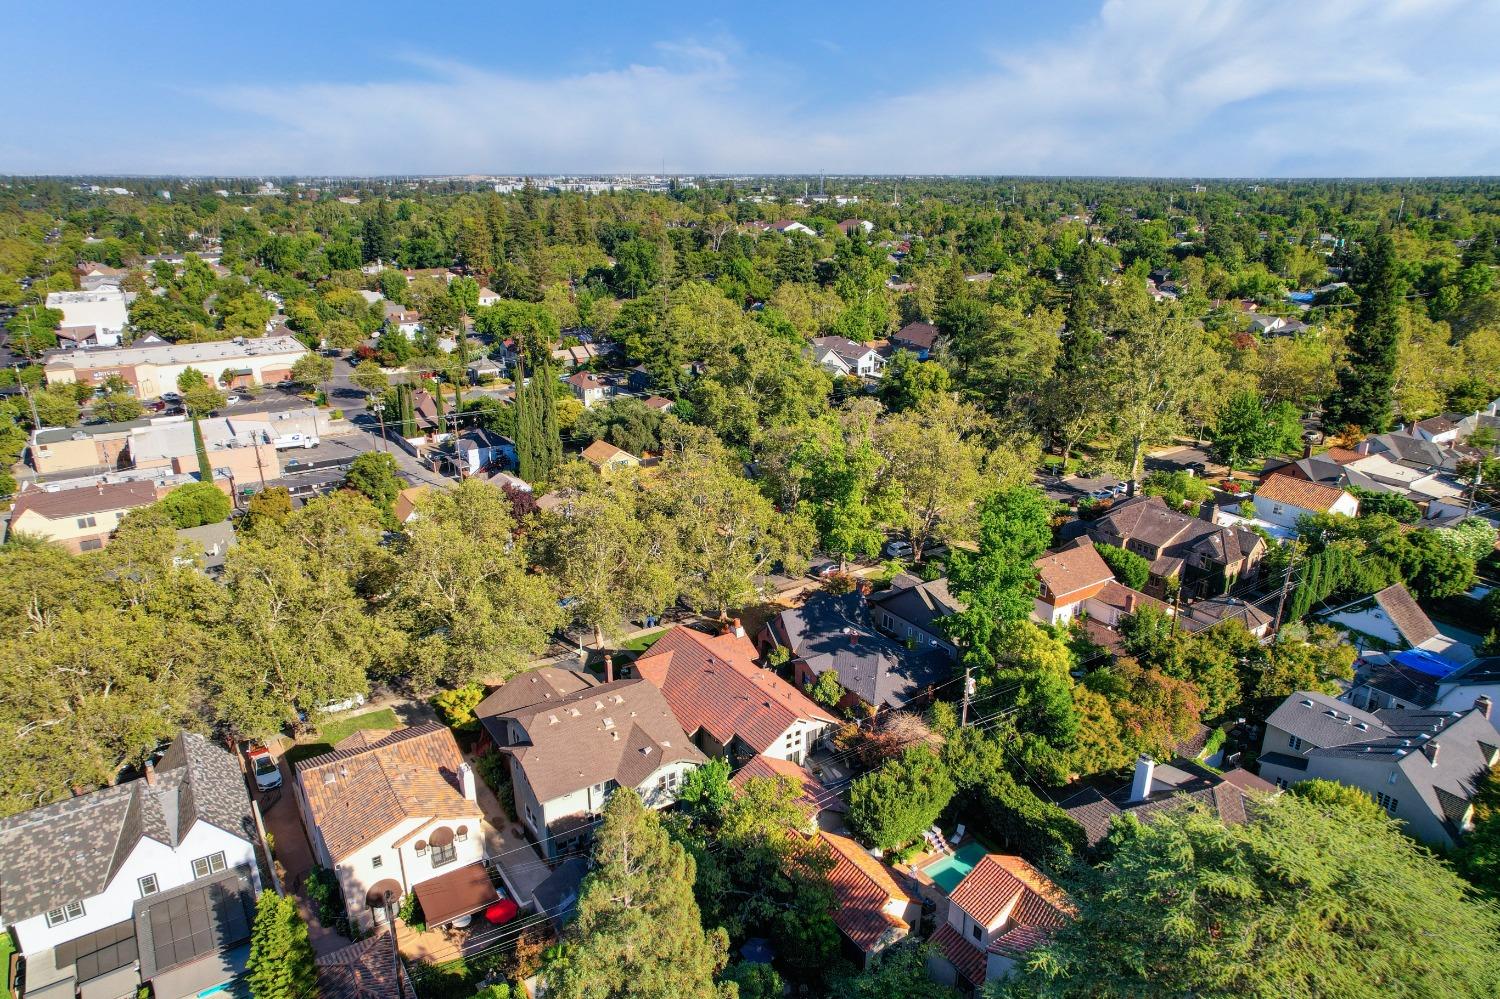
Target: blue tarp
{"type": "Point", "coordinates": [1425, 662]}
{"type": "Point", "coordinates": [1301, 297]}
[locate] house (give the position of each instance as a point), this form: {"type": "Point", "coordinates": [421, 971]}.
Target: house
{"type": "Point", "coordinates": [605, 457]}
{"type": "Point", "coordinates": [876, 905]}
{"type": "Point", "coordinates": [86, 336]}
{"type": "Point", "coordinates": [732, 708]}
{"type": "Point", "coordinates": [477, 450]}
{"type": "Point", "coordinates": [1002, 910]}
{"type": "Point", "coordinates": [368, 969]}
{"type": "Point", "coordinates": [1283, 500]}
{"type": "Point", "coordinates": [589, 390]}
{"type": "Point", "coordinates": [838, 355]}
{"type": "Point", "coordinates": [442, 274]}
{"type": "Point", "coordinates": [787, 227]}
{"type": "Point", "coordinates": [1442, 429]}
{"type": "Point", "coordinates": [104, 309]}
{"type": "Point", "coordinates": [910, 611]}
{"type": "Point", "coordinates": [483, 370]}
{"type": "Point", "coordinates": [1176, 544]}
{"type": "Point", "coordinates": [567, 753]}
{"type": "Point", "coordinates": [407, 501]}
{"type": "Point", "coordinates": [1418, 680]}
{"type": "Point", "coordinates": [1201, 615]}
{"type": "Point", "coordinates": [1157, 786]}
{"type": "Point", "coordinates": [1067, 578]}
{"type": "Point", "coordinates": [206, 545]}
{"type": "Point", "coordinates": [818, 800]}
{"type": "Point", "coordinates": [1393, 618]}
{"type": "Point", "coordinates": [917, 337]}
{"type": "Point", "coordinates": [1115, 600]}
{"type": "Point", "coordinates": [577, 355]}
{"type": "Point", "coordinates": [153, 369]}
{"type": "Point", "coordinates": [1263, 325]}
{"type": "Point", "coordinates": [95, 888]}
{"type": "Point", "coordinates": [836, 633]}
{"type": "Point", "coordinates": [488, 297]}
{"type": "Point", "coordinates": [659, 403]}
{"type": "Point", "coordinates": [851, 226]}
{"type": "Point", "coordinates": [406, 320]}
{"type": "Point", "coordinates": [1422, 767]}
{"type": "Point", "coordinates": [93, 276]}
{"type": "Point", "coordinates": [388, 811]}
{"type": "Point", "coordinates": [82, 519]}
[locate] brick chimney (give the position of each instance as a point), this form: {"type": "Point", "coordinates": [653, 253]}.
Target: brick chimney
{"type": "Point", "coordinates": [1431, 749]}
{"type": "Point", "coordinates": [150, 773]}
{"type": "Point", "coordinates": [1130, 602]}
{"type": "Point", "coordinates": [609, 668]}
{"type": "Point", "coordinates": [1482, 705]}
{"type": "Point", "coordinates": [1145, 770]}
{"type": "Point", "coordinates": [738, 627]}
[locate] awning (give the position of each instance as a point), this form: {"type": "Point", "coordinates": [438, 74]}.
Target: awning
{"type": "Point", "coordinates": [457, 893]}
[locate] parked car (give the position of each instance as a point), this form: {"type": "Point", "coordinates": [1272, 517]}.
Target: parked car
{"type": "Point", "coordinates": [171, 397]}
{"type": "Point", "coordinates": [897, 549]}
{"type": "Point", "coordinates": [263, 766]}
{"type": "Point", "coordinates": [234, 400]}
{"type": "Point", "coordinates": [824, 569]}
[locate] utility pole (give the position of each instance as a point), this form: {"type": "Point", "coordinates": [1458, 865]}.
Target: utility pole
{"type": "Point", "coordinates": [379, 406]}
{"type": "Point", "coordinates": [1286, 585]}
{"type": "Point", "coordinates": [1176, 607]}
{"type": "Point", "coordinates": [963, 718]}
{"type": "Point", "coordinates": [36, 421]}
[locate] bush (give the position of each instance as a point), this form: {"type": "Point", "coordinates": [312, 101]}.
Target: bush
{"type": "Point", "coordinates": [456, 707]}
{"type": "Point", "coordinates": [411, 913]}
{"type": "Point", "coordinates": [496, 773]}
{"type": "Point", "coordinates": [195, 504]}
{"type": "Point", "coordinates": [1038, 830]}
{"type": "Point", "coordinates": [891, 807]}
{"type": "Point", "coordinates": [324, 893]}
{"type": "Point", "coordinates": [1128, 567]}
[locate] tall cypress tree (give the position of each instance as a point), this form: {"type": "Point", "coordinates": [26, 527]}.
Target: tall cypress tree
{"type": "Point", "coordinates": [205, 469]}
{"type": "Point", "coordinates": [281, 957]}
{"type": "Point", "coordinates": [549, 439]}
{"type": "Point", "coordinates": [1363, 396]}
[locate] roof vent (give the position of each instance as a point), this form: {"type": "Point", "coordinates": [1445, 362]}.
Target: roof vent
{"type": "Point", "coordinates": [609, 723]}
{"type": "Point", "coordinates": [575, 712]}
{"type": "Point", "coordinates": [1362, 726]}
{"type": "Point", "coordinates": [619, 699]}
{"type": "Point", "coordinates": [330, 777]}
{"type": "Point", "coordinates": [1306, 702]}
{"type": "Point", "coordinates": [598, 705]}
{"type": "Point", "coordinates": [1400, 753]}
{"type": "Point", "coordinates": [646, 750]}
{"type": "Point", "coordinates": [552, 719]}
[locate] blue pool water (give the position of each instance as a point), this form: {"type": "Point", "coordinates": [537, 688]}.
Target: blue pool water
{"type": "Point", "coordinates": [949, 871]}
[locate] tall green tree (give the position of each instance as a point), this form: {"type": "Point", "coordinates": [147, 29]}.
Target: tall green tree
{"type": "Point", "coordinates": [1363, 396]}
{"type": "Point", "coordinates": [280, 965]}
{"type": "Point", "coordinates": [890, 807]}
{"type": "Point", "coordinates": [638, 933]}
{"type": "Point", "coordinates": [998, 583]}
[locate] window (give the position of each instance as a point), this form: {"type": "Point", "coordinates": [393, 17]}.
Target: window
{"type": "Point", "coordinates": [91, 545]}
{"type": "Point", "coordinates": [212, 864]}
{"type": "Point", "coordinates": [978, 933]}
{"type": "Point", "coordinates": [1387, 802]}
{"type": "Point", "coordinates": [66, 914]}
{"type": "Point", "coordinates": [1294, 742]}
{"type": "Point", "coordinates": [377, 861]}
{"type": "Point", "coordinates": [445, 854]}
{"type": "Point", "coordinates": [148, 885]}
{"type": "Point", "coordinates": [1276, 509]}
{"type": "Point", "coordinates": [88, 521]}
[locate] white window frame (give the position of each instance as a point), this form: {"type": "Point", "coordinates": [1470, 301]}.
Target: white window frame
{"type": "Point", "coordinates": [146, 880]}
{"type": "Point", "coordinates": [212, 864]}
{"type": "Point", "coordinates": [377, 861]}
{"type": "Point", "coordinates": [66, 913]}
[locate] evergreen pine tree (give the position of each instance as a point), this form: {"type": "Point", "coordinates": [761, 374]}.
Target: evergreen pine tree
{"type": "Point", "coordinates": [205, 469]}
{"type": "Point", "coordinates": [549, 437]}
{"type": "Point", "coordinates": [638, 932]}
{"type": "Point", "coordinates": [1363, 396]}
{"type": "Point", "coordinates": [281, 956]}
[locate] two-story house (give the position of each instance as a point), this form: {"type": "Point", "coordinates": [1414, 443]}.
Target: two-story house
{"type": "Point", "coordinates": [1154, 787]}
{"type": "Point", "coordinates": [1284, 499]}
{"type": "Point", "coordinates": [588, 389]}
{"type": "Point", "coordinates": [732, 708]}
{"type": "Point", "coordinates": [875, 905]}
{"type": "Point", "coordinates": [388, 811]}
{"type": "Point", "coordinates": [917, 337]}
{"type": "Point", "coordinates": [151, 881]}
{"type": "Point", "coordinates": [81, 519]}
{"type": "Point", "coordinates": [839, 355]}
{"type": "Point", "coordinates": [1422, 767]}
{"type": "Point", "coordinates": [1002, 910]}
{"type": "Point", "coordinates": [568, 752]}
{"type": "Point", "coordinates": [912, 610]}
{"type": "Point", "coordinates": [1067, 578]}
{"type": "Point", "coordinates": [1176, 544]}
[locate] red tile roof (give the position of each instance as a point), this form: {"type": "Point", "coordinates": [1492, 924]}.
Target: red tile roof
{"type": "Point", "coordinates": [1003, 887]}
{"type": "Point", "coordinates": [815, 796]}
{"type": "Point", "coordinates": [967, 958]}
{"type": "Point", "coordinates": [1300, 493]}
{"type": "Point", "coordinates": [863, 887]}
{"type": "Point", "coordinates": [712, 683]}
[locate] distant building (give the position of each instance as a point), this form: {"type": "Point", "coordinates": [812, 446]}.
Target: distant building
{"type": "Point", "coordinates": [152, 370]}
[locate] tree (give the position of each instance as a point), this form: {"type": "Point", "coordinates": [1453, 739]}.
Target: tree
{"type": "Point", "coordinates": [538, 438]}
{"type": "Point", "coordinates": [1153, 369]}
{"type": "Point", "coordinates": [56, 406]}
{"type": "Point", "coordinates": [201, 398]}
{"type": "Point", "coordinates": [826, 690]}
{"type": "Point", "coordinates": [373, 474]}
{"type": "Point", "coordinates": [898, 973]}
{"type": "Point", "coordinates": [280, 965]}
{"type": "Point", "coordinates": [1478, 855]}
{"type": "Point", "coordinates": [638, 932]}
{"type": "Point", "coordinates": [33, 330]}
{"type": "Point", "coordinates": [998, 582]}
{"type": "Point", "coordinates": [755, 981]}
{"type": "Point", "coordinates": [273, 504]}
{"type": "Point", "coordinates": [907, 382]}
{"type": "Point", "coordinates": [369, 377]}
{"type": "Point", "coordinates": [1363, 396]}
{"type": "Point", "coordinates": [891, 806]}
{"type": "Point", "coordinates": [706, 790]}
{"type": "Point", "coordinates": [1433, 567]}
{"type": "Point", "coordinates": [205, 467]}
{"type": "Point", "coordinates": [118, 405]}
{"type": "Point", "coordinates": [194, 504]}
{"type": "Point", "coordinates": [1243, 430]}
{"type": "Point", "coordinates": [1296, 901]}
{"type": "Point", "coordinates": [1128, 567]}
{"type": "Point", "coordinates": [312, 370]}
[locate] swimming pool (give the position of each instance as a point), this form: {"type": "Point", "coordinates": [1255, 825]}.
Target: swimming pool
{"type": "Point", "coordinates": [949, 871]}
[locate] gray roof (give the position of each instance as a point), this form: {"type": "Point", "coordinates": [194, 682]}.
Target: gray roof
{"type": "Point", "coordinates": [72, 849]}
{"type": "Point", "coordinates": [53, 435]}
{"type": "Point", "coordinates": [1401, 682]}
{"type": "Point", "coordinates": [211, 541]}
{"type": "Point", "coordinates": [835, 633]}
{"type": "Point", "coordinates": [923, 605]}
{"type": "Point", "coordinates": [1172, 785]}
{"type": "Point", "coordinates": [1324, 721]}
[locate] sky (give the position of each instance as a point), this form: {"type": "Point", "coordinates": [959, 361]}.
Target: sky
{"type": "Point", "coordinates": [1183, 88]}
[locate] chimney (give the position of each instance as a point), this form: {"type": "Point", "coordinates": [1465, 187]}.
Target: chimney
{"type": "Point", "coordinates": [1482, 705]}
{"type": "Point", "coordinates": [1130, 602]}
{"type": "Point", "coordinates": [609, 668]}
{"type": "Point", "coordinates": [1145, 769]}
{"type": "Point", "coordinates": [150, 773]}
{"type": "Point", "coordinates": [738, 628]}
{"type": "Point", "coordinates": [1307, 450]}
{"type": "Point", "coordinates": [1431, 749]}
{"type": "Point", "coordinates": [466, 781]}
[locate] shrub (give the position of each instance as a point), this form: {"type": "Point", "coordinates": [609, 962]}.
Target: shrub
{"type": "Point", "coordinates": [324, 893]}
{"type": "Point", "coordinates": [195, 504]}
{"type": "Point", "coordinates": [456, 707]}
{"type": "Point", "coordinates": [1128, 567]}
{"type": "Point", "coordinates": [411, 913]}
{"type": "Point", "coordinates": [1038, 830]}
{"type": "Point", "coordinates": [890, 807]}
{"type": "Point", "coordinates": [493, 768]}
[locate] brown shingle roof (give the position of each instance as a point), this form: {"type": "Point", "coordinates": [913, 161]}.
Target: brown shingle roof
{"type": "Point", "coordinates": [712, 683]}
{"type": "Point", "coordinates": [1410, 620]}
{"type": "Point", "coordinates": [99, 498]}
{"type": "Point", "coordinates": [601, 453]}
{"type": "Point", "coordinates": [622, 731]}
{"type": "Point", "coordinates": [536, 686]}
{"type": "Point", "coordinates": [372, 781]}
{"type": "Point", "coordinates": [1300, 493]}
{"type": "Point", "coordinates": [1071, 570]}
{"type": "Point", "coordinates": [918, 334]}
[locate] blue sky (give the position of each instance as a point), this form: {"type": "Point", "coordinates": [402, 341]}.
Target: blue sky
{"type": "Point", "coordinates": [1106, 87]}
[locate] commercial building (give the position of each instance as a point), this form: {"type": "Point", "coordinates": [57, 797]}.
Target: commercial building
{"type": "Point", "coordinates": [154, 369]}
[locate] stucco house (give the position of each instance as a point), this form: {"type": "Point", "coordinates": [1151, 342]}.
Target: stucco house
{"type": "Point", "coordinates": [732, 708]}
{"type": "Point", "coordinates": [1067, 578]}
{"type": "Point", "coordinates": [838, 355]}
{"type": "Point", "coordinates": [81, 519]}
{"type": "Point", "coordinates": [387, 811]}
{"type": "Point", "coordinates": [1002, 910]}
{"type": "Point", "coordinates": [876, 905]}
{"type": "Point", "coordinates": [1283, 500]}
{"type": "Point", "coordinates": [571, 743]}
{"type": "Point", "coordinates": [98, 888]}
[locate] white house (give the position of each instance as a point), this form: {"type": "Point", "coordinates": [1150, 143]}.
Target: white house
{"type": "Point", "coordinates": [572, 742]}
{"type": "Point", "coordinates": [89, 882]}
{"type": "Point", "coordinates": [390, 811]}
{"type": "Point", "coordinates": [1283, 500]}
{"type": "Point", "coordinates": [488, 297]}
{"type": "Point", "coordinates": [103, 312]}
{"type": "Point", "coordinates": [838, 355]}
{"type": "Point", "coordinates": [732, 708]}
{"type": "Point", "coordinates": [790, 226]}
{"type": "Point", "coordinates": [1001, 910]}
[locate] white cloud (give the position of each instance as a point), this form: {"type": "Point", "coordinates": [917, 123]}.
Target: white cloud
{"type": "Point", "coordinates": [1202, 87]}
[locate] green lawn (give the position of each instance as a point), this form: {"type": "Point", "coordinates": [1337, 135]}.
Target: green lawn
{"type": "Point", "coordinates": [339, 729]}
{"type": "Point", "coordinates": [7, 948]}
{"type": "Point", "coordinates": [641, 643]}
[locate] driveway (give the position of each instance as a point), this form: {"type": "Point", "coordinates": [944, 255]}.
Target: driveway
{"type": "Point", "coordinates": [521, 865]}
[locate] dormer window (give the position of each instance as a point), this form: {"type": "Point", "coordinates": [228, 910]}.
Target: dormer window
{"type": "Point", "coordinates": [65, 914]}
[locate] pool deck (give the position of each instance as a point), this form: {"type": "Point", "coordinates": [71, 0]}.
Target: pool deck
{"type": "Point", "coordinates": [916, 868]}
